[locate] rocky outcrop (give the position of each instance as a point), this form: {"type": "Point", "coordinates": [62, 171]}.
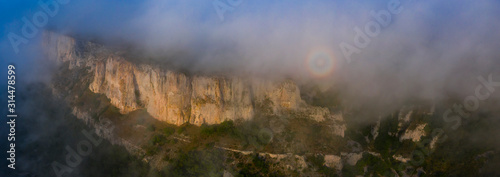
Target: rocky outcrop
{"type": "Point", "coordinates": [339, 127]}
{"type": "Point", "coordinates": [116, 79]}
{"type": "Point", "coordinates": [217, 99]}
{"type": "Point", "coordinates": [352, 158]}
{"type": "Point", "coordinates": [333, 161]}
{"type": "Point", "coordinates": [415, 135]}
{"type": "Point", "coordinates": [401, 158]}
{"type": "Point", "coordinates": [404, 116]}
{"type": "Point", "coordinates": [174, 97]}
{"type": "Point", "coordinates": [60, 48]}
{"type": "Point", "coordinates": [105, 129]}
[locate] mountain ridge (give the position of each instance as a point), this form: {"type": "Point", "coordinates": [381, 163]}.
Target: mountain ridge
{"type": "Point", "coordinates": [175, 97]}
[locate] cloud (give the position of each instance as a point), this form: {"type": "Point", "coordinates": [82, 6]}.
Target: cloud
{"type": "Point", "coordinates": [428, 50]}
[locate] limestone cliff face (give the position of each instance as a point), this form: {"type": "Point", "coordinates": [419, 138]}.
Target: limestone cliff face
{"type": "Point", "coordinates": [115, 78]}
{"type": "Point", "coordinates": [60, 48]}
{"type": "Point", "coordinates": [285, 95]}
{"type": "Point", "coordinates": [217, 99]}
{"type": "Point", "coordinates": [174, 97]}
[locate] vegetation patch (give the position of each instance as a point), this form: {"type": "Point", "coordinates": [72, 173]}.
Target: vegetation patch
{"type": "Point", "coordinates": [208, 163]}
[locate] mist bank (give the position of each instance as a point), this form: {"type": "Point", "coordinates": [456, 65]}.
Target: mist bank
{"type": "Point", "coordinates": [421, 51]}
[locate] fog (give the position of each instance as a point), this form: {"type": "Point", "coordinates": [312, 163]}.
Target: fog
{"type": "Point", "coordinates": [424, 50]}
{"type": "Point", "coordinates": [428, 50]}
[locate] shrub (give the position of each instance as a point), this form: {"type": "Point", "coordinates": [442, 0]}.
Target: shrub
{"type": "Point", "coordinates": [158, 140]}
{"type": "Point", "coordinates": [199, 163]}
{"type": "Point", "coordinates": [260, 163]}
{"type": "Point", "coordinates": [316, 160]}
{"type": "Point", "coordinates": [183, 128]}
{"type": "Point", "coordinates": [151, 150]}
{"type": "Point", "coordinates": [168, 131]}
{"type": "Point", "coordinates": [151, 128]}
{"type": "Point", "coordinates": [226, 127]}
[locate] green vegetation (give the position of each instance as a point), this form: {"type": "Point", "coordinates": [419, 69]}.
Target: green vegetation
{"type": "Point", "coordinates": [151, 150]}
{"type": "Point", "coordinates": [155, 143]}
{"type": "Point", "coordinates": [259, 166]}
{"type": "Point", "coordinates": [252, 135]}
{"type": "Point", "coordinates": [386, 144]}
{"type": "Point", "coordinates": [158, 140]}
{"type": "Point", "coordinates": [199, 163]}
{"type": "Point", "coordinates": [374, 166]}
{"type": "Point", "coordinates": [168, 131]}
{"type": "Point", "coordinates": [317, 161]}
{"type": "Point", "coordinates": [458, 156]}
{"type": "Point", "coordinates": [183, 128]}
{"type": "Point", "coordinates": [248, 134]}
{"type": "Point", "coordinates": [226, 127]}
{"type": "Point", "coordinates": [151, 128]}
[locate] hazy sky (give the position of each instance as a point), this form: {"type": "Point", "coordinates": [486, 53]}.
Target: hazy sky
{"type": "Point", "coordinates": [425, 49]}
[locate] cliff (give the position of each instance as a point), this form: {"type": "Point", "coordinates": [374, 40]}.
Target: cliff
{"type": "Point", "coordinates": [175, 97]}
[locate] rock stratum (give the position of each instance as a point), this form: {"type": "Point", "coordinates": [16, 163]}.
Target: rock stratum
{"type": "Point", "coordinates": [173, 96]}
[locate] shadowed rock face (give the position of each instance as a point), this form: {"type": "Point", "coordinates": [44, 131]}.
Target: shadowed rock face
{"type": "Point", "coordinates": [174, 97]}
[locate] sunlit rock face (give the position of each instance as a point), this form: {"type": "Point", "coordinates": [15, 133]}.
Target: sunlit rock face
{"type": "Point", "coordinates": [115, 78]}
{"type": "Point", "coordinates": [217, 99]}
{"type": "Point", "coordinates": [174, 97]}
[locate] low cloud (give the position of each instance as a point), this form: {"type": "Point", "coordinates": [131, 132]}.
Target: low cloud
{"type": "Point", "coordinates": [428, 50]}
